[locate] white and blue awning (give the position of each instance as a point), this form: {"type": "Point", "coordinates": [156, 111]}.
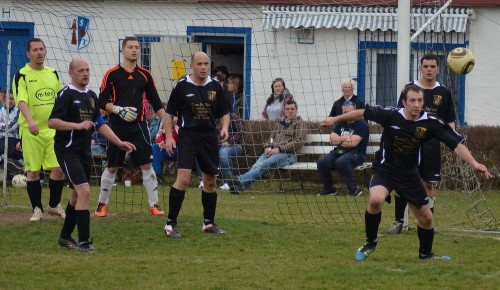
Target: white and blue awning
{"type": "Point", "coordinates": [361, 17]}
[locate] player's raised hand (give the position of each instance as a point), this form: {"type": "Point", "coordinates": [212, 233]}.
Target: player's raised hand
{"type": "Point", "coordinates": [128, 114]}
{"type": "Point", "coordinates": [126, 146]}
{"type": "Point", "coordinates": [329, 121]}
{"type": "Point", "coordinates": [85, 125]}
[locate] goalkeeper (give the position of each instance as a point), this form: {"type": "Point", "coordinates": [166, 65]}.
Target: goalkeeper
{"type": "Point", "coordinates": [125, 91]}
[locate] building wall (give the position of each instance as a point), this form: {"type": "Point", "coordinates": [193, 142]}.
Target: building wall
{"type": "Point", "coordinates": [312, 72]}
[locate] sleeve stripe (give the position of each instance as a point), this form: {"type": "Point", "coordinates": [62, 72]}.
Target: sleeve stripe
{"type": "Point", "coordinates": [106, 75]}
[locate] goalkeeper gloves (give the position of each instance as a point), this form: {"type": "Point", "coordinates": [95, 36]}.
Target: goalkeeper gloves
{"type": "Point", "coordinates": [128, 114]}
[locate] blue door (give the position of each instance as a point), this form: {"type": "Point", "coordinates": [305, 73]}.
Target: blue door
{"type": "Point", "coordinates": [18, 33]}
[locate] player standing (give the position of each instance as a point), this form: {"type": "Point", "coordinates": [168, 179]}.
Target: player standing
{"type": "Point", "coordinates": [74, 116]}
{"type": "Point", "coordinates": [197, 100]}
{"type": "Point", "coordinates": [122, 90]}
{"type": "Point", "coordinates": [35, 87]}
{"type": "Point", "coordinates": [395, 165]}
{"type": "Point", "coordinates": [437, 102]}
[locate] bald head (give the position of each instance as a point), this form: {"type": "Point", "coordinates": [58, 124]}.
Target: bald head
{"type": "Point", "coordinates": [79, 72]}
{"type": "Point", "coordinates": [200, 64]}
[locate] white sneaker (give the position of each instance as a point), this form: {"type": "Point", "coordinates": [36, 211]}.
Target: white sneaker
{"type": "Point", "coordinates": [58, 210]}
{"type": "Point", "coordinates": [201, 184]}
{"type": "Point", "coordinates": [37, 215]}
{"type": "Point", "coordinates": [225, 187]}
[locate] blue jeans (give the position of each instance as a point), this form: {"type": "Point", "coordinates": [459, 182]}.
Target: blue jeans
{"type": "Point", "coordinates": [264, 164]}
{"type": "Point", "coordinates": [226, 160]}
{"type": "Point", "coordinates": [344, 164]}
{"type": "Point", "coordinates": [159, 155]}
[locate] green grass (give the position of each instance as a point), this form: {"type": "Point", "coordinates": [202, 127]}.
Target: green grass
{"type": "Point", "coordinates": [258, 252]}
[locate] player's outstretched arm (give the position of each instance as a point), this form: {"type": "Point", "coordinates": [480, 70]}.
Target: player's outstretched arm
{"type": "Point", "coordinates": [105, 131]}
{"type": "Point", "coordinates": [351, 116]}
{"type": "Point", "coordinates": [466, 156]}
{"type": "Point", "coordinates": [60, 125]}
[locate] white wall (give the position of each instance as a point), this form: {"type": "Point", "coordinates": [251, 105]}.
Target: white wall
{"type": "Point", "coordinates": [312, 72]}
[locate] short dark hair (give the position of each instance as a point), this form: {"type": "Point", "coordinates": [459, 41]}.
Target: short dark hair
{"type": "Point", "coordinates": [292, 102]}
{"type": "Point", "coordinates": [429, 57]}
{"type": "Point", "coordinates": [412, 88]}
{"type": "Point", "coordinates": [127, 39]}
{"type": "Point", "coordinates": [28, 45]}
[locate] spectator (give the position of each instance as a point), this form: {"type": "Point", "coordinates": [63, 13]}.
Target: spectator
{"type": "Point", "coordinates": [13, 135]}
{"type": "Point", "coordinates": [99, 143]}
{"type": "Point", "coordinates": [347, 95]}
{"type": "Point", "coordinates": [235, 87]}
{"type": "Point", "coordinates": [159, 152]}
{"type": "Point", "coordinates": [351, 139]}
{"type": "Point", "coordinates": [275, 104]}
{"type": "Point", "coordinates": [286, 139]}
{"type": "Point", "coordinates": [230, 148]}
{"type": "Point", "coordinates": [2, 98]}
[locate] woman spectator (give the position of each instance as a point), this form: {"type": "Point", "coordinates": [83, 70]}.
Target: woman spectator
{"type": "Point", "coordinates": [275, 104]}
{"type": "Point", "coordinates": [235, 87]}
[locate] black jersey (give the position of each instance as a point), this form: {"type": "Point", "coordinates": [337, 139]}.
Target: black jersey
{"type": "Point", "coordinates": [73, 105]}
{"type": "Point", "coordinates": [197, 107]}
{"type": "Point", "coordinates": [437, 102]}
{"type": "Point", "coordinates": [337, 106]}
{"type": "Point", "coordinates": [402, 138]}
{"type": "Point", "coordinates": [127, 88]}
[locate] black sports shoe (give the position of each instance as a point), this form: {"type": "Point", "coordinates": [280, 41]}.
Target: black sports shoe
{"type": "Point", "coordinates": [69, 243]}
{"type": "Point", "coordinates": [86, 247]}
{"type": "Point", "coordinates": [357, 192]}
{"type": "Point", "coordinates": [331, 191]}
{"type": "Point", "coordinates": [235, 187]}
{"type": "Point", "coordinates": [433, 256]}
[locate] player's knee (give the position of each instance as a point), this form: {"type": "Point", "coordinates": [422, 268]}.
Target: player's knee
{"type": "Point", "coordinates": [376, 202]}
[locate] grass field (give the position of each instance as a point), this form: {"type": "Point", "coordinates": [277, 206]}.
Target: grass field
{"type": "Point", "coordinates": [259, 251]}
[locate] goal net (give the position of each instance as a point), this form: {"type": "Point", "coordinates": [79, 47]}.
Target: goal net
{"type": "Point", "coordinates": [312, 45]}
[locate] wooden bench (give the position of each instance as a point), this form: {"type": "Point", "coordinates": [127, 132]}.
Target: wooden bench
{"type": "Point", "coordinates": [318, 145]}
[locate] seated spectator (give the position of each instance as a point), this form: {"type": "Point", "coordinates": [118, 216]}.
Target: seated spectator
{"type": "Point", "coordinates": [98, 142]}
{"type": "Point", "coordinates": [235, 87]}
{"type": "Point", "coordinates": [230, 148]}
{"type": "Point", "coordinates": [286, 139]}
{"type": "Point", "coordinates": [275, 104]}
{"type": "Point", "coordinates": [351, 139]}
{"type": "Point", "coordinates": [153, 124]}
{"type": "Point", "coordinates": [13, 154]}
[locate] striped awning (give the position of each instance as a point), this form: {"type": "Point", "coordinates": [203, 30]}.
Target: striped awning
{"type": "Point", "coordinates": [362, 18]}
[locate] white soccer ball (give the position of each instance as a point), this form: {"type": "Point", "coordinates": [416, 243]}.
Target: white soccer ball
{"type": "Point", "coordinates": [460, 61]}
{"type": "Point", "coordinates": [19, 181]}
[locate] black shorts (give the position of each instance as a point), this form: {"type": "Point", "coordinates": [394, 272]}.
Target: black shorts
{"type": "Point", "coordinates": [430, 161]}
{"type": "Point", "coordinates": [407, 185]}
{"type": "Point", "coordinates": [137, 134]}
{"type": "Point", "coordinates": [200, 145]}
{"type": "Point", "coordinates": [75, 166]}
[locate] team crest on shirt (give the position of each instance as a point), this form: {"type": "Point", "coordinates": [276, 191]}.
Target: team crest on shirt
{"type": "Point", "coordinates": [420, 132]}
{"type": "Point", "coordinates": [438, 99]}
{"type": "Point", "coordinates": [212, 95]}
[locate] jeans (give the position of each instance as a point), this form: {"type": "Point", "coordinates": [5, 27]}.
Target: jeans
{"type": "Point", "coordinates": [159, 155]}
{"type": "Point", "coordinates": [264, 164]}
{"type": "Point", "coordinates": [344, 164]}
{"type": "Point", "coordinates": [226, 160]}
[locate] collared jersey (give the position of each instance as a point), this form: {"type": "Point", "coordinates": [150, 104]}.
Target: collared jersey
{"type": "Point", "coordinates": [38, 89]}
{"type": "Point", "coordinates": [197, 107]}
{"type": "Point", "coordinates": [402, 138]}
{"type": "Point", "coordinates": [73, 105]}
{"type": "Point", "coordinates": [127, 88]}
{"type": "Point", "coordinates": [437, 102]}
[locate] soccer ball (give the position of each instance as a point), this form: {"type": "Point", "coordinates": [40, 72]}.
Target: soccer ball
{"type": "Point", "coordinates": [19, 181]}
{"type": "Point", "coordinates": [460, 61]}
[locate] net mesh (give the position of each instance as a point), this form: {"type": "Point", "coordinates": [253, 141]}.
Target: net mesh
{"type": "Point", "coordinates": [307, 43]}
